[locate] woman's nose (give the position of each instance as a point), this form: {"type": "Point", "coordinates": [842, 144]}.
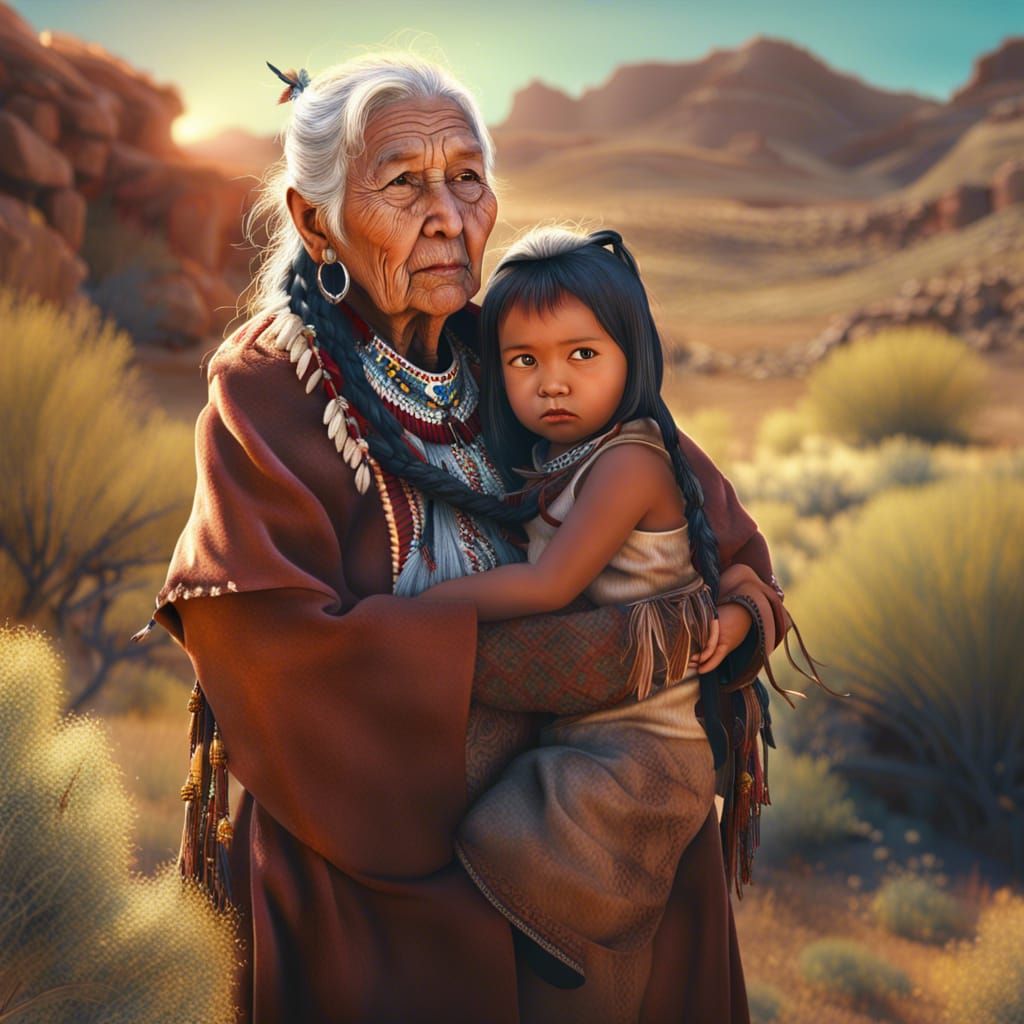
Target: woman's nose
{"type": "Point", "coordinates": [443, 214]}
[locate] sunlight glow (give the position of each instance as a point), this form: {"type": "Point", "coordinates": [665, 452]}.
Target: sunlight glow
{"type": "Point", "coordinates": [191, 128]}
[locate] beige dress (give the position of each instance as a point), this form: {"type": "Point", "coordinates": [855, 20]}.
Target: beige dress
{"type": "Point", "coordinates": [578, 841]}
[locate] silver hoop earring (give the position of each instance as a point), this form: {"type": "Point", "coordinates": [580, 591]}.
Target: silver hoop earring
{"type": "Point", "coordinates": [332, 297]}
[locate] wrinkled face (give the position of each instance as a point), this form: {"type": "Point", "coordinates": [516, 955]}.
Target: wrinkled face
{"type": "Point", "coordinates": [417, 211]}
{"type": "Point", "coordinates": [564, 374]}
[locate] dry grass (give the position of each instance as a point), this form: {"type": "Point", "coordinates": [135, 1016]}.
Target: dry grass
{"type": "Point", "coordinates": [779, 917]}
{"type": "Point", "coordinates": [152, 752]}
{"type": "Point", "coordinates": [914, 381]}
{"type": "Point", "coordinates": [81, 936]}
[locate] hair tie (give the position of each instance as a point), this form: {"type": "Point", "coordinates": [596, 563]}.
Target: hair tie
{"type": "Point", "coordinates": [295, 80]}
{"type": "Point", "coordinates": [608, 237]}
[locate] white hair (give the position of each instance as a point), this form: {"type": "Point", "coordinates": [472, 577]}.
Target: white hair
{"type": "Point", "coordinates": [326, 132]}
{"type": "Point", "coordinates": [544, 242]}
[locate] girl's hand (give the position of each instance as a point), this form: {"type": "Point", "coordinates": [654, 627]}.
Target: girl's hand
{"type": "Point", "coordinates": [733, 623]}
{"type": "Point", "coordinates": [714, 634]}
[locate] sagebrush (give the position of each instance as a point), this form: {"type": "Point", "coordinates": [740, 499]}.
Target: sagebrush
{"type": "Point", "coordinates": [81, 937]}
{"type": "Point", "coordinates": [917, 613]}
{"type": "Point", "coordinates": [918, 382]}
{"type": "Point", "coordinates": [983, 982]}
{"type": "Point", "coordinates": [96, 484]}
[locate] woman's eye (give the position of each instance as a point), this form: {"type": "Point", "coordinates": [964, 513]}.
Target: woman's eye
{"type": "Point", "coordinates": [583, 353]}
{"type": "Point", "coordinates": [468, 186]}
{"type": "Point", "coordinates": [400, 181]}
{"type": "Point", "coordinates": [522, 360]}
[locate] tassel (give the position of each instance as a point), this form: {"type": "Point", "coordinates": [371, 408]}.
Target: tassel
{"type": "Point", "coordinates": [814, 677]}
{"type": "Point", "coordinates": [741, 824]}
{"type": "Point", "coordinates": [206, 832]}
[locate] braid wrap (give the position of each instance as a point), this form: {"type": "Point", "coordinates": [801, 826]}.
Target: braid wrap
{"type": "Point", "coordinates": [386, 440]}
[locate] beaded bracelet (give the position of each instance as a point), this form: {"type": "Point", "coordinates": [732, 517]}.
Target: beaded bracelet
{"type": "Point", "coordinates": [755, 614]}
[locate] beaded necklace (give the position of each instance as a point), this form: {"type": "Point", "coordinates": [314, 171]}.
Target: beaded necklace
{"type": "Point", "coordinates": [430, 541]}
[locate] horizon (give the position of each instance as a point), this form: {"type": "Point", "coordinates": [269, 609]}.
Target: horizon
{"type": "Point", "coordinates": [925, 49]}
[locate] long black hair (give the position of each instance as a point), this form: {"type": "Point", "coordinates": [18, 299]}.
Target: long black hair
{"type": "Point", "coordinates": [385, 440]}
{"type": "Point", "coordinates": [535, 275]}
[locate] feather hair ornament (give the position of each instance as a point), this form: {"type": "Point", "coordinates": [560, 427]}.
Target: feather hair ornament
{"type": "Point", "coordinates": [295, 80]}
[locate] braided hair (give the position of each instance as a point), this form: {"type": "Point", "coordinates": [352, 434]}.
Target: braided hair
{"type": "Point", "coordinates": [386, 438]}
{"type": "Point", "coordinates": [535, 274]}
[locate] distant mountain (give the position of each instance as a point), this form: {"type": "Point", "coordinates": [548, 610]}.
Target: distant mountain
{"type": "Point", "coordinates": [766, 86]}
{"type": "Point", "coordinates": [767, 120]}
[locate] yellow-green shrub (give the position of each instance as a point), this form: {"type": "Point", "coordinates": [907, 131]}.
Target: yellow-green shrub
{"type": "Point", "coordinates": [782, 431]}
{"type": "Point", "coordinates": [916, 908]}
{"type": "Point", "coordinates": [810, 809]}
{"type": "Point", "coordinates": [765, 1002]}
{"type": "Point", "coordinates": [81, 938]}
{"type": "Point", "coordinates": [983, 982]}
{"type": "Point", "coordinates": [712, 429]}
{"type": "Point", "coordinates": [852, 972]}
{"type": "Point", "coordinates": [917, 613]}
{"type": "Point", "coordinates": [96, 483]}
{"type": "Point", "coordinates": [915, 381]}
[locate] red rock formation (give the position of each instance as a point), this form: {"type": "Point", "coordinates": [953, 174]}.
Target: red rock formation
{"type": "Point", "coordinates": [42, 116]}
{"type": "Point", "coordinates": [65, 210]}
{"type": "Point", "coordinates": [33, 257]}
{"type": "Point", "coordinates": [78, 124]}
{"type": "Point", "coordinates": [147, 109]}
{"type": "Point", "coordinates": [996, 74]}
{"type": "Point", "coordinates": [964, 205]}
{"type": "Point", "coordinates": [1008, 184]}
{"type": "Point", "coordinates": [28, 158]}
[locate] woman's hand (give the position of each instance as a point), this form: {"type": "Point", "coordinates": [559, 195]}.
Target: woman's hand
{"type": "Point", "coordinates": [727, 634]}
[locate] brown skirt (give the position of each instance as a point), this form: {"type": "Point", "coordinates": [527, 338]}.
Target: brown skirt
{"type": "Point", "coordinates": [578, 842]}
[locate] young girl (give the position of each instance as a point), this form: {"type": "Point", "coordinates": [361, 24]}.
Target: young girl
{"type": "Point", "coordinates": [590, 825]}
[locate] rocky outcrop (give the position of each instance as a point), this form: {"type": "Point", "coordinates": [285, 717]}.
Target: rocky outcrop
{"type": "Point", "coordinates": [1008, 185]}
{"type": "Point", "coordinates": [986, 310]}
{"type": "Point", "coordinates": [996, 74]}
{"type": "Point", "coordinates": [79, 126]}
{"type": "Point", "coordinates": [34, 257]}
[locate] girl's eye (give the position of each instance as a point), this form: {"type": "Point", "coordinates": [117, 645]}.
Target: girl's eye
{"type": "Point", "coordinates": [584, 353]}
{"type": "Point", "coordinates": [522, 360]}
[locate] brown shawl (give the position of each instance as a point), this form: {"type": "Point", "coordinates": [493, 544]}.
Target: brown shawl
{"type": "Point", "coordinates": [343, 710]}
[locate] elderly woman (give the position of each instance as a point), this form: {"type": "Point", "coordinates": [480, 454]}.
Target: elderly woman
{"type": "Point", "coordinates": [342, 471]}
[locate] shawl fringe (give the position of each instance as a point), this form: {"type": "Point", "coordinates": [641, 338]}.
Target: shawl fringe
{"type": "Point", "coordinates": [207, 831]}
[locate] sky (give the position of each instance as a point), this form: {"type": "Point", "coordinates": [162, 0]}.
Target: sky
{"type": "Point", "coordinates": [215, 52]}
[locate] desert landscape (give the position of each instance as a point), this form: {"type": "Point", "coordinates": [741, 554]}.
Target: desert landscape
{"type": "Point", "coordinates": [838, 274]}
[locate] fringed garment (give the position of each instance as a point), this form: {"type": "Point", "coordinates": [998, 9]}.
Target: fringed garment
{"type": "Point", "coordinates": [578, 841]}
{"type": "Point", "coordinates": [343, 710]}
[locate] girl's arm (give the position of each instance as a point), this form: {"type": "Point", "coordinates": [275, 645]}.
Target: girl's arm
{"type": "Point", "coordinates": [620, 488]}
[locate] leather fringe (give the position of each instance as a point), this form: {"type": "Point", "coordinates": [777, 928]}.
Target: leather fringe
{"type": "Point", "coordinates": [206, 834]}
{"type": "Point", "coordinates": [751, 737]}
{"type": "Point", "coordinates": [690, 610]}
{"type": "Point", "coordinates": [741, 814]}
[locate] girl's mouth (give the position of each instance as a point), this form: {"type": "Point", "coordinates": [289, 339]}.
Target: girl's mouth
{"type": "Point", "coordinates": [558, 416]}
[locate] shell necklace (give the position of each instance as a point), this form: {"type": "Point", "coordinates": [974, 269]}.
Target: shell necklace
{"type": "Point", "coordinates": [300, 341]}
